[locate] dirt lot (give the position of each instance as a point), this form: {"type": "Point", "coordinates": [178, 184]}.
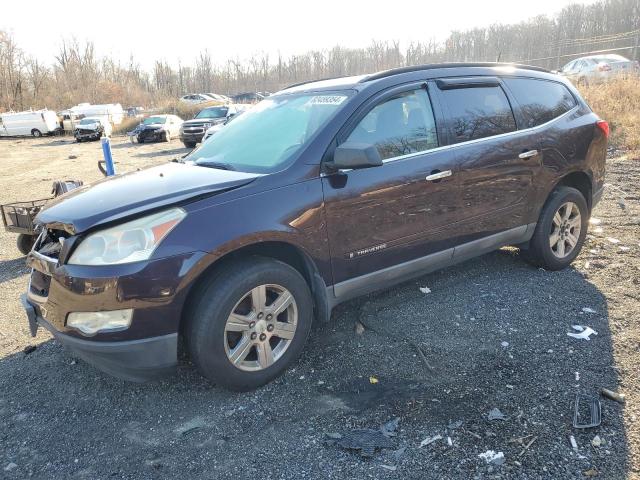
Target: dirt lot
{"type": "Point", "coordinates": [494, 330]}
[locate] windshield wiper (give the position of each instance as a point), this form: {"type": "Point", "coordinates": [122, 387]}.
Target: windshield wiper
{"type": "Point", "coordinates": [218, 165]}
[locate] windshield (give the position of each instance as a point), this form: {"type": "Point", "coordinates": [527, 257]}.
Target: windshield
{"type": "Point", "coordinates": [213, 112]}
{"type": "Point", "coordinates": [262, 139]}
{"type": "Point", "coordinates": [154, 120]}
{"type": "Point", "coordinates": [88, 121]}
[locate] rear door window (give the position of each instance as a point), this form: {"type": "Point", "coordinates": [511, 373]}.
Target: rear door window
{"type": "Point", "coordinates": [540, 100]}
{"type": "Point", "coordinates": [478, 112]}
{"type": "Point", "coordinates": [401, 125]}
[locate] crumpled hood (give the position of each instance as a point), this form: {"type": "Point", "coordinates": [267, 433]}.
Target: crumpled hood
{"type": "Point", "coordinates": [130, 194]}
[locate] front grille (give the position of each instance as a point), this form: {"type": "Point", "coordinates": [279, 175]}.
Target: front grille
{"type": "Point", "coordinates": [84, 131]}
{"type": "Point", "coordinates": [147, 134]}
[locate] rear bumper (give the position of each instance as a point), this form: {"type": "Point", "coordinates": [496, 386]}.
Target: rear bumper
{"type": "Point", "coordinates": [134, 360]}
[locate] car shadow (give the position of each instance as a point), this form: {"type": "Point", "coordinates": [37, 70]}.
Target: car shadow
{"type": "Point", "coordinates": [10, 269]}
{"type": "Point", "coordinates": [493, 333]}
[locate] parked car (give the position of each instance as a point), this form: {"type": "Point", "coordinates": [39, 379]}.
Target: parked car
{"type": "Point", "coordinates": [326, 191]}
{"type": "Point", "coordinates": [195, 98]}
{"type": "Point", "coordinates": [219, 97]}
{"type": "Point", "coordinates": [111, 113]}
{"type": "Point", "coordinates": [599, 68]}
{"type": "Point", "coordinates": [33, 122]}
{"type": "Point", "coordinates": [92, 128]}
{"type": "Point", "coordinates": [193, 130]}
{"type": "Point", "coordinates": [218, 126]}
{"type": "Point", "coordinates": [248, 97]}
{"type": "Point", "coordinates": [159, 128]}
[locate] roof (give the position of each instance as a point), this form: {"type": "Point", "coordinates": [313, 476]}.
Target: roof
{"type": "Point", "coordinates": [359, 79]}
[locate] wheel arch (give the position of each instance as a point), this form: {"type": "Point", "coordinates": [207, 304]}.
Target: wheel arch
{"type": "Point", "coordinates": [285, 252]}
{"type": "Point", "coordinates": [581, 181]}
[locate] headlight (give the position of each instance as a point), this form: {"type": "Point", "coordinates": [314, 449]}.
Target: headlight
{"type": "Point", "coordinates": [130, 242]}
{"type": "Point", "coordinates": [90, 323]}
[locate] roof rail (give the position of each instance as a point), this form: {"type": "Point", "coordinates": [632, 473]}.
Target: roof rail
{"type": "Point", "coordinates": [308, 81]}
{"type": "Point", "coordinates": [432, 66]}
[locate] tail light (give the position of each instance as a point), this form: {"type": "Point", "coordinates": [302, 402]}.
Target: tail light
{"type": "Point", "coordinates": [604, 67]}
{"type": "Point", "coordinates": [603, 125]}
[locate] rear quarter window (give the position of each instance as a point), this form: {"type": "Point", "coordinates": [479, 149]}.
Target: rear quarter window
{"type": "Point", "coordinates": [540, 100]}
{"type": "Point", "coordinates": [478, 112]}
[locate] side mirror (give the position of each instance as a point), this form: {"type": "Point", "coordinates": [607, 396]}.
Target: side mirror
{"type": "Point", "coordinates": [351, 155]}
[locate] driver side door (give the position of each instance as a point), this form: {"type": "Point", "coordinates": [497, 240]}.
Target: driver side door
{"type": "Point", "coordinates": [383, 222]}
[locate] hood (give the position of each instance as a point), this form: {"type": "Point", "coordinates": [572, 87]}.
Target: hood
{"type": "Point", "coordinates": [88, 126]}
{"type": "Point", "coordinates": [133, 193]}
{"type": "Point", "coordinates": [150, 127]}
{"type": "Point", "coordinates": [204, 120]}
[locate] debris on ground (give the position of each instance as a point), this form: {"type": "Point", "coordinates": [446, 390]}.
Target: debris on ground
{"type": "Point", "coordinates": [373, 380]}
{"type": "Point", "coordinates": [10, 467]}
{"type": "Point", "coordinates": [364, 440]}
{"type": "Point", "coordinates": [504, 344]}
{"type": "Point", "coordinates": [495, 458]}
{"type": "Point", "coordinates": [585, 332]}
{"type": "Point", "coordinates": [430, 440]}
{"type": "Point", "coordinates": [449, 442]}
{"type": "Point", "coordinates": [29, 349]}
{"type": "Point", "coordinates": [592, 472]}
{"type": "Point", "coordinates": [611, 395]}
{"type": "Point", "coordinates": [391, 468]}
{"type": "Point", "coordinates": [496, 414]}
{"type": "Point", "coordinates": [613, 240]}
{"type": "Point", "coordinates": [597, 441]}
{"type": "Point", "coordinates": [425, 290]}
{"type": "Point", "coordinates": [587, 411]}
{"type": "Point", "coordinates": [72, 157]}
{"type": "Point", "coordinates": [595, 221]}
{"type": "Point", "coordinates": [588, 310]}
{"type": "Point", "coordinates": [574, 444]}
{"type": "Point", "coordinates": [359, 328]}
{"type": "Point", "coordinates": [389, 428]}
{"type": "Point", "coordinates": [526, 447]}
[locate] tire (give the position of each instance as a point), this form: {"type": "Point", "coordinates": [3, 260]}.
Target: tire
{"type": "Point", "coordinates": [542, 251]}
{"type": "Point", "coordinates": [36, 133]}
{"type": "Point", "coordinates": [25, 243]}
{"type": "Point", "coordinates": [189, 144]}
{"type": "Point", "coordinates": [212, 346]}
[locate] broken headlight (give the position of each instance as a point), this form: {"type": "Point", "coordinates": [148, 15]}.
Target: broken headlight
{"type": "Point", "coordinates": [129, 242]}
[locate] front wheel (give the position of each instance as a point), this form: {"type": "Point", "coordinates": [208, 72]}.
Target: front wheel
{"type": "Point", "coordinates": [36, 133]}
{"type": "Point", "coordinates": [190, 144]}
{"type": "Point", "coordinates": [249, 323]}
{"type": "Point", "coordinates": [561, 230]}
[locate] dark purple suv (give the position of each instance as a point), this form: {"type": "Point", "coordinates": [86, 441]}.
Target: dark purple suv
{"type": "Point", "coordinates": [320, 193]}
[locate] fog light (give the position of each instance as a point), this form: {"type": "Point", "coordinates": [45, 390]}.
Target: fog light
{"type": "Point", "coordinates": [90, 323]}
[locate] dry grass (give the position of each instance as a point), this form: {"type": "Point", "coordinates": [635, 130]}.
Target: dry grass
{"type": "Point", "coordinates": [618, 102]}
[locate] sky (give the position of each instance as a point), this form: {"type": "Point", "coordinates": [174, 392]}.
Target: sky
{"type": "Point", "coordinates": [178, 31]}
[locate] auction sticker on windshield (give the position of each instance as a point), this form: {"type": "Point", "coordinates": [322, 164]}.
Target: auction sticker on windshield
{"type": "Point", "coordinates": [327, 99]}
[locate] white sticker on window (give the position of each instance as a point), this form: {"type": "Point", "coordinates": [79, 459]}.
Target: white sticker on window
{"type": "Point", "coordinates": [327, 99]}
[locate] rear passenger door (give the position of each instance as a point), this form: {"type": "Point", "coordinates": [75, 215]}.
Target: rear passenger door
{"type": "Point", "coordinates": [497, 163]}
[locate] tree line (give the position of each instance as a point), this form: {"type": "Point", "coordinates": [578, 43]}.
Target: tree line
{"type": "Point", "coordinates": [77, 74]}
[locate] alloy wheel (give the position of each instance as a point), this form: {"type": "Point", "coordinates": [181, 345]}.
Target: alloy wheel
{"type": "Point", "coordinates": [565, 230]}
{"type": "Point", "coordinates": [260, 327]}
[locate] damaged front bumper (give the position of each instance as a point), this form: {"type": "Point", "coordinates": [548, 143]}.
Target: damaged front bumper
{"type": "Point", "coordinates": [153, 290]}
{"type": "Point", "coordinates": [134, 360]}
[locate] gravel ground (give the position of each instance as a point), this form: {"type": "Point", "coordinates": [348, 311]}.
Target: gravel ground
{"type": "Point", "coordinates": [493, 331]}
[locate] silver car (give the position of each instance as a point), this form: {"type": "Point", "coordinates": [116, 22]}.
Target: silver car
{"type": "Point", "coordinates": [599, 68]}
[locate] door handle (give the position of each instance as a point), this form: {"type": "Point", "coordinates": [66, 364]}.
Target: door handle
{"type": "Point", "coordinates": [438, 175]}
{"type": "Point", "coordinates": [528, 154]}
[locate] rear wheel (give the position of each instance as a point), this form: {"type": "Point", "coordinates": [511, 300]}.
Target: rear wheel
{"type": "Point", "coordinates": [25, 243]}
{"type": "Point", "coordinates": [249, 323]}
{"type": "Point", "coordinates": [561, 230]}
{"type": "Point", "coordinates": [36, 133]}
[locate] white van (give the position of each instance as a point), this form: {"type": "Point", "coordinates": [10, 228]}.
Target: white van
{"type": "Point", "coordinates": [112, 113]}
{"type": "Point", "coordinates": [33, 122]}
